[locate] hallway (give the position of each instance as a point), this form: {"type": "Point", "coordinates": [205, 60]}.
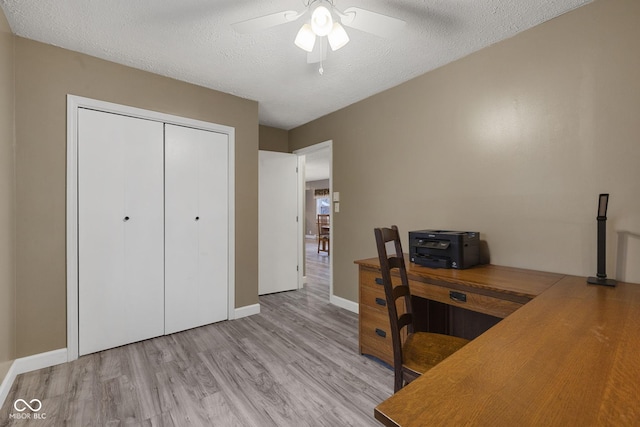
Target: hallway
{"type": "Point", "coordinates": [317, 268]}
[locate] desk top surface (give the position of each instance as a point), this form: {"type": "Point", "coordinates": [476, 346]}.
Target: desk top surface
{"type": "Point", "coordinates": [571, 356]}
{"type": "Point", "coordinates": [509, 280]}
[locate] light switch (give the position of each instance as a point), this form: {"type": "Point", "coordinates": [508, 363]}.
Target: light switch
{"type": "Point", "coordinates": [336, 207]}
{"type": "Point", "coordinates": [336, 196]}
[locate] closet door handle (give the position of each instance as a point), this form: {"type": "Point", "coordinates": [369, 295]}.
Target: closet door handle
{"type": "Point", "coordinates": [126, 218]}
{"type": "Point", "coordinates": [197, 218]}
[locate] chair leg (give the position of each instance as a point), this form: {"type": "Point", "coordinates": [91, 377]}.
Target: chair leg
{"type": "Point", "coordinates": [323, 245]}
{"type": "Point", "coordinates": [398, 382]}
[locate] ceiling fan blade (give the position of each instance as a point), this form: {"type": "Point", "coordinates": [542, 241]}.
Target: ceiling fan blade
{"type": "Point", "coordinates": [319, 52]}
{"type": "Point", "coordinates": [371, 22]}
{"type": "Point", "coordinates": [263, 22]}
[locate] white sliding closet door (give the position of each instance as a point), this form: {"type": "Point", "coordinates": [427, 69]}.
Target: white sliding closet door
{"type": "Point", "coordinates": [196, 227]}
{"type": "Point", "coordinates": [120, 230]}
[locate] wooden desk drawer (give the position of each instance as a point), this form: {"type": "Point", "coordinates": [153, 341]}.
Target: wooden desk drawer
{"type": "Point", "coordinates": [375, 334]}
{"type": "Point", "coordinates": [373, 279]}
{"type": "Point", "coordinates": [475, 302]}
{"type": "Point", "coordinates": [373, 298]}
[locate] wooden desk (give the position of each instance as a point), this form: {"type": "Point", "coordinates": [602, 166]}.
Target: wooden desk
{"type": "Point", "coordinates": [489, 289]}
{"type": "Point", "coordinates": [570, 357]}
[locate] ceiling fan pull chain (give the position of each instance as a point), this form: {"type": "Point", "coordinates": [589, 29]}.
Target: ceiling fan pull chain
{"type": "Point", "coordinates": [321, 70]}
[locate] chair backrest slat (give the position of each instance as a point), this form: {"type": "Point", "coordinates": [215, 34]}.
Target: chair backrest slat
{"type": "Point", "coordinates": [395, 262]}
{"type": "Point", "coordinates": [389, 262]}
{"type": "Point", "coordinates": [405, 319]}
{"type": "Point", "coordinates": [399, 292]}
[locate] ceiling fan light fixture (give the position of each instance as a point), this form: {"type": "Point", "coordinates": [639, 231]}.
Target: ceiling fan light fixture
{"type": "Point", "coordinates": [306, 38]}
{"type": "Point", "coordinates": [321, 21]}
{"type": "Point", "coordinates": [338, 37]}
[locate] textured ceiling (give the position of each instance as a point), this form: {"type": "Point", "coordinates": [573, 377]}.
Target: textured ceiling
{"type": "Point", "coordinates": [192, 40]}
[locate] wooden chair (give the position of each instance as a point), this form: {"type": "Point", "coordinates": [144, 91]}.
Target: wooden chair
{"type": "Point", "coordinates": [413, 352]}
{"type": "Point", "coordinates": [323, 233]}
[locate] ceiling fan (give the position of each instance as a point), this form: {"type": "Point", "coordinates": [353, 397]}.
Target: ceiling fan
{"type": "Point", "coordinates": [324, 22]}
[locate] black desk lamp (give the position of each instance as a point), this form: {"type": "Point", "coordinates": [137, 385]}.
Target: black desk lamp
{"type": "Point", "coordinates": [601, 278]}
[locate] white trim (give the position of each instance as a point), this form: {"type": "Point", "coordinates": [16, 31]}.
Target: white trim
{"type": "Point", "coordinates": [302, 263]}
{"type": "Point", "coordinates": [344, 303]}
{"type": "Point", "coordinates": [28, 364]}
{"type": "Point", "coordinates": [5, 387]}
{"type": "Point", "coordinates": [247, 310]}
{"type": "Point", "coordinates": [73, 104]}
{"type": "Point", "coordinates": [231, 266]}
{"type": "Point", "coordinates": [72, 227]}
{"type": "Point", "coordinates": [109, 107]}
{"type": "Point", "coordinates": [313, 148]}
{"type": "Point", "coordinates": [40, 361]}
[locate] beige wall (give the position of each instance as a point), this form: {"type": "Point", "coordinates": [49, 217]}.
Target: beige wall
{"type": "Point", "coordinates": [44, 76]}
{"type": "Point", "coordinates": [7, 199]}
{"type": "Point", "coordinates": [274, 139]}
{"type": "Point", "coordinates": [515, 141]}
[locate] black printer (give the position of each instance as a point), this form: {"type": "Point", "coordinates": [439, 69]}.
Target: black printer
{"type": "Point", "coordinates": [444, 249]}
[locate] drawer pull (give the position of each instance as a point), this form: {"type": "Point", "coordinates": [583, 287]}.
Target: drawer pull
{"type": "Point", "coordinates": [379, 281]}
{"type": "Point", "coordinates": [458, 296]}
{"type": "Point", "coordinates": [381, 302]}
{"type": "Point", "coordinates": [381, 333]}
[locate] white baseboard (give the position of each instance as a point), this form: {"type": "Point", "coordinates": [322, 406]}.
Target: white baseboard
{"type": "Point", "coordinates": [41, 360]}
{"type": "Point", "coordinates": [344, 303]}
{"type": "Point", "coordinates": [28, 364]}
{"type": "Point", "coordinates": [247, 310]}
{"type": "Point", "coordinates": [7, 383]}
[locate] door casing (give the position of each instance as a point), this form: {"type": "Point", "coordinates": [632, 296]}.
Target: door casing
{"type": "Point", "coordinates": [301, 153]}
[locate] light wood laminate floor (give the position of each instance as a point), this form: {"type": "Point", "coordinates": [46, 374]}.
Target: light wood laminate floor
{"type": "Point", "coordinates": [294, 364]}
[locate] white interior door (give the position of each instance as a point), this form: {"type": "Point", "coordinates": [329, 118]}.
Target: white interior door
{"type": "Point", "coordinates": [277, 224]}
{"type": "Point", "coordinates": [120, 230]}
{"type": "Point", "coordinates": [196, 227]}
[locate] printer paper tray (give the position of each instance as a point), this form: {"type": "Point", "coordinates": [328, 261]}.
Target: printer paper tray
{"type": "Point", "coordinates": [428, 261]}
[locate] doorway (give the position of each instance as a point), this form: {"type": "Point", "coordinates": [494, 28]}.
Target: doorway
{"type": "Point", "coordinates": [315, 183]}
